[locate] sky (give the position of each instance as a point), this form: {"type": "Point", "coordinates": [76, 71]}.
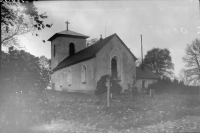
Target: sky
{"type": "Point", "coordinates": [162, 24]}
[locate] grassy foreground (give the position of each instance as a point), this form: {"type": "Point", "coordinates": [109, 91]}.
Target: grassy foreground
{"type": "Point", "coordinates": [84, 113]}
{"type": "Point", "coordinates": [79, 113]}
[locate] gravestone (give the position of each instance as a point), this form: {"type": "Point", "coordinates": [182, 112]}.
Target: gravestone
{"type": "Point", "coordinates": [152, 93]}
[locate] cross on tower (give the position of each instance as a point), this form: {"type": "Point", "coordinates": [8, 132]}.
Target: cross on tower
{"type": "Point", "coordinates": [67, 24]}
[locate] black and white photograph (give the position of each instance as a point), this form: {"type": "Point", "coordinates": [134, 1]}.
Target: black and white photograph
{"type": "Point", "coordinates": [100, 66]}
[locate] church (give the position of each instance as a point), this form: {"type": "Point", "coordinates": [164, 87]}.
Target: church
{"type": "Point", "coordinates": [77, 67]}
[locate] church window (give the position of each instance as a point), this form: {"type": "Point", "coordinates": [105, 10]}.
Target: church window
{"type": "Point", "coordinates": [69, 77]}
{"type": "Point", "coordinates": [114, 72]}
{"type": "Point", "coordinates": [144, 84]}
{"type": "Point", "coordinates": [71, 49]}
{"type": "Point", "coordinates": [54, 50]}
{"type": "Point", "coordinates": [83, 74]}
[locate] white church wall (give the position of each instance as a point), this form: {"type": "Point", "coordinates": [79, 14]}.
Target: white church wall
{"type": "Point", "coordinates": [73, 81]}
{"type": "Point", "coordinates": [62, 48]}
{"type": "Point", "coordinates": [102, 64]}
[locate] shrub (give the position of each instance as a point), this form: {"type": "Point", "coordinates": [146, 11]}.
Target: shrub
{"type": "Point", "coordinates": [101, 85]}
{"type": "Point", "coordinates": [116, 88]}
{"type": "Point", "coordinates": [168, 86]}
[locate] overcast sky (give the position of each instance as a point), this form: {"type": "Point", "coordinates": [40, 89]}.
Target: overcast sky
{"type": "Point", "coordinates": [164, 24]}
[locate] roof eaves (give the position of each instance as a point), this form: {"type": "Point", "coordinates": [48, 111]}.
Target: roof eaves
{"type": "Point", "coordinates": [58, 68]}
{"type": "Point", "coordinates": [74, 36]}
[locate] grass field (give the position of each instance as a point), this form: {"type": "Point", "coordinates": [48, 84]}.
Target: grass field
{"type": "Point", "coordinates": [84, 113]}
{"type": "Point", "coordinates": [164, 113]}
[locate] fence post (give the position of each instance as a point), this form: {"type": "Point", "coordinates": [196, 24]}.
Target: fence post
{"type": "Point", "coordinates": [131, 92]}
{"type": "Point", "coordinates": [152, 93]}
{"type": "Point", "coordinates": [108, 92]}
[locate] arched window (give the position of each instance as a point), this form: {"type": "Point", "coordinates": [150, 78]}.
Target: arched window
{"type": "Point", "coordinates": [144, 84]}
{"type": "Point", "coordinates": [83, 74]}
{"type": "Point", "coordinates": [71, 49]}
{"type": "Point", "coordinates": [54, 50]}
{"type": "Point", "coordinates": [114, 72]}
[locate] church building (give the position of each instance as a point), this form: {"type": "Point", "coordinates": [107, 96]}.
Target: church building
{"type": "Point", "coordinates": [144, 77]}
{"type": "Point", "coordinates": [77, 67]}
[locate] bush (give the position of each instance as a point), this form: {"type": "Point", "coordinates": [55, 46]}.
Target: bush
{"type": "Point", "coordinates": [168, 86]}
{"type": "Point", "coordinates": [101, 85]}
{"type": "Point", "coordinates": [116, 88]}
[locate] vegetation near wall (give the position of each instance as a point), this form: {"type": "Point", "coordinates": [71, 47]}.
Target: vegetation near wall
{"type": "Point", "coordinates": [102, 88]}
{"type": "Point", "coordinates": [22, 81]}
{"type": "Point", "coordinates": [23, 77]}
{"type": "Point", "coordinates": [174, 87]}
{"type": "Point", "coordinates": [23, 72]}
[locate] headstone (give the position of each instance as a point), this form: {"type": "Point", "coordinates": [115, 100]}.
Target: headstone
{"type": "Point", "coordinates": [130, 89]}
{"type": "Point", "coordinates": [152, 93]}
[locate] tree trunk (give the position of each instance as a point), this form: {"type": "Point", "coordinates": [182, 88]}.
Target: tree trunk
{"type": "Point", "coordinates": [0, 65]}
{"type": "Point", "coordinates": [0, 55]}
{"type": "Point", "coordinates": [0, 58]}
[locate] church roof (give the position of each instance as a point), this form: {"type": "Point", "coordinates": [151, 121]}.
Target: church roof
{"type": "Point", "coordinates": [145, 73]}
{"type": "Point", "coordinates": [87, 53]}
{"type": "Point", "coordinates": [68, 33]}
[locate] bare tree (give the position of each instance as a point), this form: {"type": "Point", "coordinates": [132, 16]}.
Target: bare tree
{"type": "Point", "coordinates": [183, 76]}
{"type": "Point", "coordinates": [192, 60]}
{"type": "Point", "coordinates": [18, 18]}
{"type": "Point", "coordinates": [9, 36]}
{"type": "Point", "coordinates": [92, 41]}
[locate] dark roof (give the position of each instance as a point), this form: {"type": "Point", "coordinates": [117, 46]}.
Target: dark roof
{"type": "Point", "coordinates": [69, 34]}
{"type": "Point", "coordinates": [145, 73]}
{"type": "Point", "coordinates": [86, 54]}
{"type": "Point", "coordinates": [83, 55]}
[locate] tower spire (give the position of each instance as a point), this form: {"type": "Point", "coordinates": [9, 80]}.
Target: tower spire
{"type": "Point", "coordinates": [67, 24]}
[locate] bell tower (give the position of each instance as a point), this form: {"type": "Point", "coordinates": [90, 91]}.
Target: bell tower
{"type": "Point", "coordinates": [64, 44]}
